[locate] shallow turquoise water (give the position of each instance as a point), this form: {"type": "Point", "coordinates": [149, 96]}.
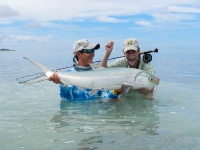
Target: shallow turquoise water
{"type": "Point", "coordinates": [34, 117]}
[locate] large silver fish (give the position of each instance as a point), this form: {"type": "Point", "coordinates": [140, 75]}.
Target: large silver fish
{"type": "Point", "coordinates": [101, 78]}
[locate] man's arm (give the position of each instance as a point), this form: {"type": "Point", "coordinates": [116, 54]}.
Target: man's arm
{"type": "Point", "coordinates": [108, 48]}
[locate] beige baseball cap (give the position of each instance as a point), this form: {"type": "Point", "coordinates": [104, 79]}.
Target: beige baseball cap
{"type": "Point", "coordinates": [84, 44]}
{"type": "Point", "coordinates": [130, 44]}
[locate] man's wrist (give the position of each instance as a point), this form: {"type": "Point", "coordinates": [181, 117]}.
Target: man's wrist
{"type": "Point", "coordinates": [116, 92]}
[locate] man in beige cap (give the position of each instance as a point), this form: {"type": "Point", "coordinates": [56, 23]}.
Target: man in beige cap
{"type": "Point", "coordinates": [132, 59]}
{"type": "Point", "coordinates": [84, 52]}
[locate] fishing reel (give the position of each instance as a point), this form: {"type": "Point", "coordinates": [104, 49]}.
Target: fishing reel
{"type": "Point", "coordinates": [148, 57]}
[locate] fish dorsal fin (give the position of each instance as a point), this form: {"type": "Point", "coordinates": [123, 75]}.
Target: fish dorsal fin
{"type": "Point", "coordinates": [96, 67]}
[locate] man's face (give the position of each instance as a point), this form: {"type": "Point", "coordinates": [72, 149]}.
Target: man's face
{"type": "Point", "coordinates": [86, 58]}
{"type": "Point", "coordinates": [133, 57]}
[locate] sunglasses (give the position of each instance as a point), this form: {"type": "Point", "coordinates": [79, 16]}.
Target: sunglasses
{"type": "Point", "coordinates": [88, 51]}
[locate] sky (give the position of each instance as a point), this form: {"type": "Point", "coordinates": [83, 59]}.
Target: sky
{"type": "Point", "coordinates": [171, 25]}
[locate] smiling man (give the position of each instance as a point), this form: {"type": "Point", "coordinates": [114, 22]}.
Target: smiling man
{"type": "Point", "coordinates": [84, 52]}
{"type": "Point", "coordinates": [132, 59]}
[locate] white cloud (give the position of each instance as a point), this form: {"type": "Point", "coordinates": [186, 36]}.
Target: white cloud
{"type": "Point", "coordinates": [143, 23]}
{"type": "Point", "coordinates": [181, 9]}
{"type": "Point", "coordinates": [109, 19]}
{"type": "Point", "coordinates": [17, 38]}
{"type": "Point", "coordinates": [48, 10]}
{"type": "Point", "coordinates": [80, 18]}
{"type": "Point", "coordinates": [6, 11]}
{"type": "Point", "coordinates": [173, 17]}
{"type": "Point", "coordinates": [34, 25]}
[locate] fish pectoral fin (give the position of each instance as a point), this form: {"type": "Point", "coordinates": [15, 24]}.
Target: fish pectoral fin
{"type": "Point", "coordinates": [126, 87]}
{"type": "Point", "coordinates": [94, 91]}
{"type": "Point", "coordinates": [96, 67]}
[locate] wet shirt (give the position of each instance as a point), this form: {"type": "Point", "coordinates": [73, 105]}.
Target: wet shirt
{"type": "Point", "coordinates": [74, 93]}
{"type": "Point", "coordinates": [123, 62]}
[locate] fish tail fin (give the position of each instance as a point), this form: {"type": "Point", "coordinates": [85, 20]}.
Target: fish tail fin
{"type": "Point", "coordinates": [44, 69]}
{"type": "Point", "coordinates": [34, 80]}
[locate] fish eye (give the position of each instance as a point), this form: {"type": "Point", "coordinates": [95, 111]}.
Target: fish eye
{"type": "Point", "coordinates": [150, 79]}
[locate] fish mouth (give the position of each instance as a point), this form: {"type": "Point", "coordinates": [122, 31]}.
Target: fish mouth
{"type": "Point", "coordinates": [156, 80]}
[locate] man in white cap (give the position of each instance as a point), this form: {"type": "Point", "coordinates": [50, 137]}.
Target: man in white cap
{"type": "Point", "coordinates": [84, 52]}
{"type": "Point", "coordinates": [132, 59]}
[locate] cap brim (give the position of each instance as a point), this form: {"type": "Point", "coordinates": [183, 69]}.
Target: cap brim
{"type": "Point", "coordinates": [135, 48]}
{"type": "Point", "coordinates": [92, 46]}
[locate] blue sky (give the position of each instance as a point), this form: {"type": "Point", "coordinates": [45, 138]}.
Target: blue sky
{"type": "Point", "coordinates": [57, 24]}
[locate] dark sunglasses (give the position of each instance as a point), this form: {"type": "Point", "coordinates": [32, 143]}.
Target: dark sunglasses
{"type": "Point", "coordinates": [88, 51]}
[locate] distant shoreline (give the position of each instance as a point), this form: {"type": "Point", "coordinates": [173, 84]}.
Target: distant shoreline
{"type": "Point", "coordinates": [4, 49]}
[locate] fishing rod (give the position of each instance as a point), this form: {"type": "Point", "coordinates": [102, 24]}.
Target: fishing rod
{"type": "Point", "coordinates": [146, 58]}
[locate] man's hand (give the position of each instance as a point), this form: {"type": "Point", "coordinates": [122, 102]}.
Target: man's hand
{"type": "Point", "coordinates": [145, 90]}
{"type": "Point", "coordinates": [109, 47]}
{"type": "Point", "coordinates": [123, 89]}
{"type": "Point", "coordinates": [55, 78]}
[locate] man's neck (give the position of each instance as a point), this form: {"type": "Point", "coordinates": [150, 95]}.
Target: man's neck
{"type": "Point", "coordinates": [78, 67]}
{"type": "Point", "coordinates": [83, 64]}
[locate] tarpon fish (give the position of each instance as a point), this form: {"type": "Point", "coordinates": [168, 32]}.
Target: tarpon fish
{"type": "Point", "coordinates": [100, 77]}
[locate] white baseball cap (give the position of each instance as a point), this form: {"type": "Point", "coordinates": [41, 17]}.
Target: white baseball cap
{"type": "Point", "coordinates": [130, 44]}
{"type": "Point", "coordinates": [84, 44]}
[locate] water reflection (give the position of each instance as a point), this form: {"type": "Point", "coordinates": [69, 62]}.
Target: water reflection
{"type": "Point", "coordinates": [92, 123]}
